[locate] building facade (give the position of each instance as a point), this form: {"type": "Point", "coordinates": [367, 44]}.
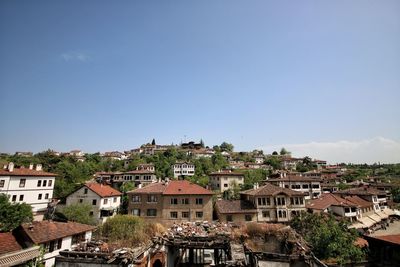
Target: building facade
{"type": "Point", "coordinates": [171, 201]}
{"type": "Point", "coordinates": [311, 187]}
{"type": "Point", "coordinates": [226, 180]}
{"type": "Point", "coordinates": [29, 185]}
{"type": "Point", "coordinates": [183, 169]}
{"type": "Point", "coordinates": [104, 200]}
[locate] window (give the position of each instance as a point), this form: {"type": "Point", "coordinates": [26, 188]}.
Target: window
{"type": "Point", "coordinates": [199, 201]}
{"type": "Point", "coordinates": [39, 183]}
{"type": "Point", "coordinates": [14, 198]}
{"type": "Point", "coordinates": [22, 182]}
{"type": "Point", "coordinates": [50, 182]}
{"type": "Point", "coordinates": [136, 199]}
{"type": "Point", "coordinates": [295, 186]}
{"type": "Point", "coordinates": [2, 183]}
{"type": "Point", "coordinates": [265, 214]}
{"type": "Point", "coordinates": [264, 201]}
{"type": "Point", "coordinates": [229, 218]}
{"type": "Point", "coordinates": [39, 197]}
{"type": "Point", "coordinates": [152, 198]}
{"type": "Point", "coordinates": [105, 201]}
{"type": "Point", "coordinates": [185, 214]}
{"type": "Point", "coordinates": [346, 210]}
{"type": "Point", "coordinates": [305, 186]}
{"type": "Point", "coordinates": [91, 213]}
{"type": "Point", "coordinates": [225, 185]}
{"type": "Point", "coordinates": [151, 212]}
{"type": "Point", "coordinates": [21, 197]}
{"type": "Point", "coordinates": [85, 191]}
{"type": "Point", "coordinates": [80, 200]}
{"type": "Point", "coordinates": [174, 201]}
{"type": "Point", "coordinates": [59, 243]}
{"type": "Point", "coordinates": [185, 201]}
{"type": "Point", "coordinates": [46, 196]}
{"type": "Point", "coordinates": [115, 199]}
{"type": "Point", "coordinates": [280, 201]}
{"type": "Point", "coordinates": [315, 186]}
{"type": "Point", "coordinates": [44, 183]}
{"type": "Point", "coordinates": [173, 214]}
{"type": "Point", "coordinates": [199, 214]}
{"type": "Point", "coordinates": [94, 202]}
{"type": "Point", "coordinates": [282, 214]}
{"type": "Point", "coordinates": [247, 217]}
{"type": "Point", "coordinates": [136, 212]}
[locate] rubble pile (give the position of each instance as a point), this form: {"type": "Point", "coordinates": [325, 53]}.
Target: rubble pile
{"type": "Point", "coordinates": [197, 229]}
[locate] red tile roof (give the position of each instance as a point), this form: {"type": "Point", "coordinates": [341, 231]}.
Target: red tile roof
{"type": "Point", "coordinates": [359, 201]}
{"type": "Point", "coordinates": [234, 206]}
{"type": "Point", "coordinates": [295, 178]}
{"type": "Point", "coordinates": [139, 172]}
{"type": "Point", "coordinates": [154, 188]}
{"type": "Point", "coordinates": [226, 173]}
{"type": "Point", "coordinates": [25, 172]}
{"type": "Point", "coordinates": [44, 231]}
{"type": "Point", "coordinates": [175, 187]}
{"type": "Point", "coordinates": [361, 191]}
{"type": "Point", "coordinates": [326, 200]}
{"type": "Point", "coordinates": [103, 190]}
{"type": "Point", "coordinates": [271, 190]}
{"type": "Point", "coordinates": [8, 243]}
{"type": "Point", "coordinates": [395, 239]}
{"type": "Point", "coordinates": [185, 188]}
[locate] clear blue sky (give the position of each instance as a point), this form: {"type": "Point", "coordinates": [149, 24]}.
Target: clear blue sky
{"type": "Point", "coordinates": [111, 75]}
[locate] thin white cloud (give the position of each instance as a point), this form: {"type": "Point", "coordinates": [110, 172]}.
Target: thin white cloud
{"type": "Point", "coordinates": [374, 150]}
{"type": "Point", "coordinates": [74, 56]}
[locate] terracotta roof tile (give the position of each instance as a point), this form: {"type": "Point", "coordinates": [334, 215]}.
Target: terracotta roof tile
{"type": "Point", "coordinates": [174, 187]}
{"type": "Point", "coordinates": [326, 200]}
{"type": "Point", "coordinates": [359, 201]}
{"type": "Point", "coordinates": [295, 178]}
{"type": "Point", "coordinates": [235, 206]}
{"type": "Point", "coordinates": [8, 243]}
{"type": "Point", "coordinates": [362, 191]}
{"type": "Point", "coordinates": [25, 172]}
{"type": "Point", "coordinates": [184, 187]}
{"type": "Point", "coordinates": [44, 231]}
{"type": "Point", "coordinates": [155, 188]}
{"type": "Point", "coordinates": [271, 190]}
{"type": "Point", "coordinates": [103, 190]}
{"type": "Point", "coordinates": [395, 239]}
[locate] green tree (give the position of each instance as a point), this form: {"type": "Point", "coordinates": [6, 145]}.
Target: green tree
{"type": "Point", "coordinates": [329, 239]}
{"type": "Point", "coordinates": [226, 147]}
{"type": "Point", "coordinates": [79, 213]}
{"type": "Point", "coordinates": [13, 214]}
{"type": "Point", "coordinates": [284, 152]}
{"type": "Point", "coordinates": [125, 188]}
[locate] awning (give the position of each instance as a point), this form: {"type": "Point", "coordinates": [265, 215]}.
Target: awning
{"type": "Point", "coordinates": [389, 212]}
{"type": "Point", "coordinates": [368, 222]}
{"type": "Point", "coordinates": [375, 217]}
{"type": "Point", "coordinates": [382, 214]}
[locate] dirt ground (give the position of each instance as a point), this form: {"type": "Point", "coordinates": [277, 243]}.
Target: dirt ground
{"type": "Point", "coordinates": [393, 229]}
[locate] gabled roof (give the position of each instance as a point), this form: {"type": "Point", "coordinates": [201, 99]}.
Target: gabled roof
{"type": "Point", "coordinates": [361, 191]}
{"type": "Point", "coordinates": [235, 206]}
{"type": "Point", "coordinates": [139, 172]}
{"type": "Point", "coordinates": [44, 231]}
{"type": "Point", "coordinates": [184, 187]}
{"type": "Point", "coordinates": [175, 187]}
{"type": "Point", "coordinates": [326, 200]}
{"type": "Point", "coordinates": [359, 201]}
{"type": "Point", "coordinates": [295, 178]}
{"type": "Point", "coordinates": [271, 190]}
{"type": "Point", "coordinates": [8, 243]}
{"type": "Point", "coordinates": [226, 173]}
{"type": "Point", "coordinates": [153, 188]}
{"type": "Point", "coordinates": [25, 172]}
{"type": "Point", "coordinates": [103, 190]}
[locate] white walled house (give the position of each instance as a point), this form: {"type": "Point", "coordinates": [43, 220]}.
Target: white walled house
{"type": "Point", "coordinates": [311, 187]}
{"type": "Point", "coordinates": [54, 237]}
{"type": "Point", "coordinates": [183, 169]}
{"type": "Point", "coordinates": [104, 199]}
{"type": "Point", "coordinates": [31, 185]}
{"type": "Point", "coordinates": [225, 180]}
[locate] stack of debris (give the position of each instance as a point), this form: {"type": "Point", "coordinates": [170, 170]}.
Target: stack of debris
{"type": "Point", "coordinates": [198, 229]}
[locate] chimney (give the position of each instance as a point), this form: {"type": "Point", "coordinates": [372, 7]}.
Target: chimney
{"type": "Point", "coordinates": [5, 167]}
{"type": "Point", "coordinates": [139, 186]}
{"type": "Point", "coordinates": [31, 166]}
{"type": "Point", "coordinates": [11, 167]}
{"type": "Point", "coordinates": [38, 167]}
